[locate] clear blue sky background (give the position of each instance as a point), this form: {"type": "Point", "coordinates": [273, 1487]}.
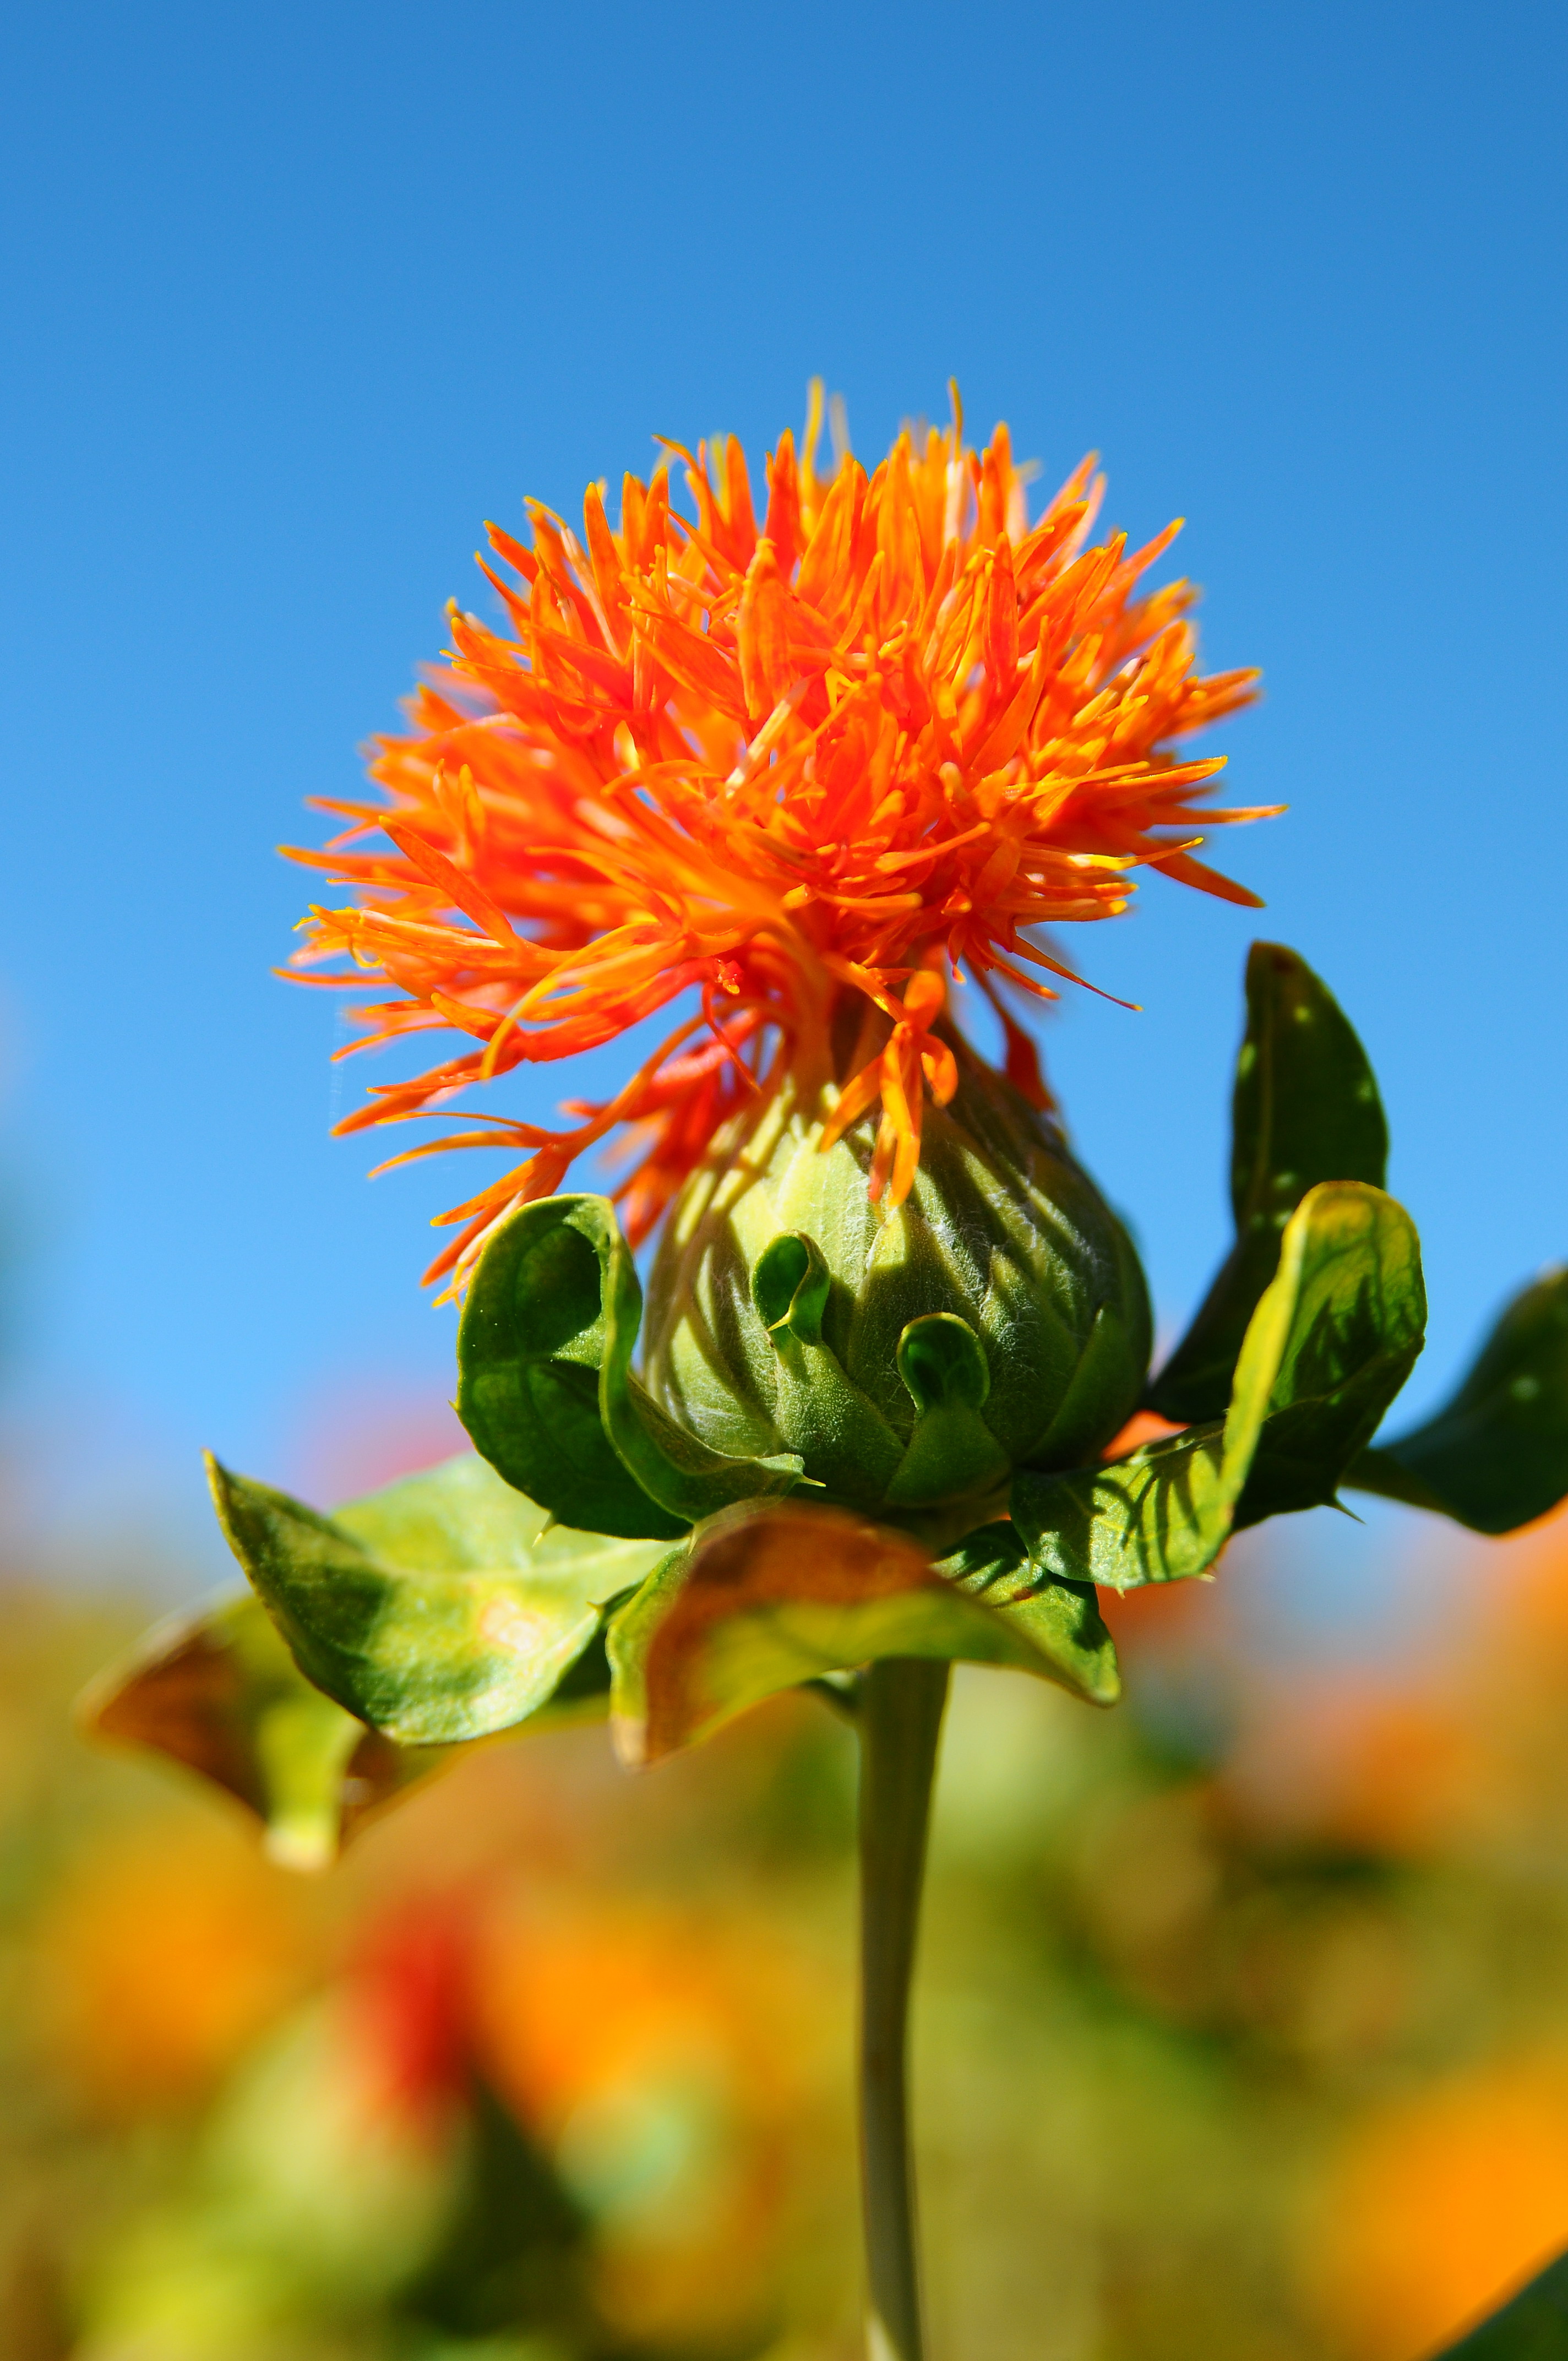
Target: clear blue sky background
{"type": "Point", "coordinates": [295, 297]}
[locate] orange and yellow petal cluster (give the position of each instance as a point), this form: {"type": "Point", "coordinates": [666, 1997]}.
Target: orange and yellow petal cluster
{"type": "Point", "coordinates": [877, 739]}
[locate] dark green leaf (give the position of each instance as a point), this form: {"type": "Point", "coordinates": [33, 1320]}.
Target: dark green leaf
{"type": "Point", "coordinates": [1497, 1457]}
{"type": "Point", "coordinates": [442, 1608]}
{"type": "Point", "coordinates": [1305, 1110]}
{"type": "Point", "coordinates": [1532, 2326]}
{"type": "Point", "coordinates": [546, 1387]}
{"type": "Point", "coordinates": [1330, 1344]}
{"type": "Point", "coordinates": [766, 1598]}
{"type": "Point", "coordinates": [530, 1350]}
{"type": "Point", "coordinates": [1062, 1620]}
{"type": "Point", "coordinates": [218, 1691]}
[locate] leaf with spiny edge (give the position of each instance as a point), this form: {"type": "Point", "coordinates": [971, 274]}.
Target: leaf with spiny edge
{"type": "Point", "coordinates": [1305, 1110]}
{"type": "Point", "coordinates": [442, 1608]}
{"type": "Point", "coordinates": [1496, 1456]}
{"type": "Point", "coordinates": [1332, 1340]}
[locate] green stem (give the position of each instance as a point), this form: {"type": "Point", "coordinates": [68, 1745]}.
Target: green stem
{"type": "Point", "coordinates": [902, 1702]}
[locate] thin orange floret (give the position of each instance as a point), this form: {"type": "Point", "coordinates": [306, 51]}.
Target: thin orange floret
{"type": "Point", "coordinates": [870, 744]}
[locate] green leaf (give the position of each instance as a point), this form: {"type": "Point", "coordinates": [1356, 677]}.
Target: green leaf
{"type": "Point", "coordinates": [1337, 1332]}
{"type": "Point", "coordinates": [1331, 1343]}
{"type": "Point", "coordinates": [547, 1392]}
{"type": "Point", "coordinates": [763, 1599]}
{"type": "Point", "coordinates": [218, 1691]}
{"type": "Point", "coordinates": [1497, 1457]}
{"type": "Point", "coordinates": [529, 1349]}
{"type": "Point", "coordinates": [1162, 1514]}
{"type": "Point", "coordinates": [1532, 2326]}
{"type": "Point", "coordinates": [1305, 1110]}
{"type": "Point", "coordinates": [1062, 1620]}
{"type": "Point", "coordinates": [442, 1608]}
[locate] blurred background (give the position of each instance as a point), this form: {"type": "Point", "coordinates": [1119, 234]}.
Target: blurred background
{"type": "Point", "coordinates": [1241, 2037]}
{"type": "Point", "coordinates": [1248, 2026]}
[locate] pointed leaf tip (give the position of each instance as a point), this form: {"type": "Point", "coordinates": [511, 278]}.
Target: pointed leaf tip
{"type": "Point", "coordinates": [444, 1609]}
{"type": "Point", "coordinates": [1305, 1110]}
{"type": "Point", "coordinates": [1496, 1456]}
{"type": "Point", "coordinates": [1332, 1339]}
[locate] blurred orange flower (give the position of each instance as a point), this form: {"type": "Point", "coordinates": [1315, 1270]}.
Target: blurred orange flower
{"type": "Point", "coordinates": [163, 1957]}
{"type": "Point", "coordinates": [1438, 2205]}
{"type": "Point", "coordinates": [805, 770]}
{"type": "Point", "coordinates": [672, 2065]}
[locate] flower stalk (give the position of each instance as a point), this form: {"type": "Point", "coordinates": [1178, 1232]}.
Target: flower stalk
{"type": "Point", "coordinates": [902, 1703]}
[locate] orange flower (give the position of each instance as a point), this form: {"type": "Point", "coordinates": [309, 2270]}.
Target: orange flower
{"type": "Point", "coordinates": [795, 771]}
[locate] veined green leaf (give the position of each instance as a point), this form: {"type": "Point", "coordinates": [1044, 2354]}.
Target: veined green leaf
{"type": "Point", "coordinates": [1062, 1620]}
{"type": "Point", "coordinates": [1532, 2326]}
{"type": "Point", "coordinates": [764, 1599]}
{"type": "Point", "coordinates": [1496, 1456]}
{"type": "Point", "coordinates": [1305, 1110]}
{"type": "Point", "coordinates": [529, 1349]}
{"type": "Point", "coordinates": [1332, 1339]}
{"type": "Point", "coordinates": [217, 1690]}
{"type": "Point", "coordinates": [442, 1608]}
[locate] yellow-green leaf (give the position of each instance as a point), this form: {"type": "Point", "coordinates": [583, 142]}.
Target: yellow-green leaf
{"type": "Point", "coordinates": [1305, 1110]}
{"type": "Point", "coordinates": [1330, 1344]}
{"type": "Point", "coordinates": [442, 1608]}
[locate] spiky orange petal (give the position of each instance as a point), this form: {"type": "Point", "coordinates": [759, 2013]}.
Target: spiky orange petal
{"type": "Point", "coordinates": [894, 730]}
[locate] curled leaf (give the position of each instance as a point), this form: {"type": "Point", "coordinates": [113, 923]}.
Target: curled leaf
{"type": "Point", "coordinates": [546, 1389]}
{"type": "Point", "coordinates": [217, 1691]}
{"type": "Point", "coordinates": [1305, 1110]}
{"type": "Point", "coordinates": [530, 1350]}
{"type": "Point", "coordinates": [764, 1600]}
{"type": "Point", "coordinates": [1333, 1338]}
{"type": "Point", "coordinates": [442, 1608]}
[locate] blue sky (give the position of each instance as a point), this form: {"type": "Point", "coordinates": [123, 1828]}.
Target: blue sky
{"type": "Point", "coordinates": [295, 298]}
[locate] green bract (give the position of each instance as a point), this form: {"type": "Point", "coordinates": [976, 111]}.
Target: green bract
{"type": "Point", "coordinates": [847, 1433]}
{"type": "Point", "coordinates": [911, 1359]}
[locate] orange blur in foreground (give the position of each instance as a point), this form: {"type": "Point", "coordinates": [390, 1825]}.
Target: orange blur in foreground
{"type": "Point", "coordinates": [806, 771]}
{"type": "Point", "coordinates": [1441, 2204]}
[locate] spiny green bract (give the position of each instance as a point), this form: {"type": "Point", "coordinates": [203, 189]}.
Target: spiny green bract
{"type": "Point", "coordinates": [913, 1358]}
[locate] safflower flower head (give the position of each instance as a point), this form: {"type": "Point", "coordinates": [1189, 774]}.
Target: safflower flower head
{"type": "Point", "coordinates": [806, 770]}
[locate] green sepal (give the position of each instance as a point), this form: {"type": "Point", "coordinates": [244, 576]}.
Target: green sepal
{"type": "Point", "coordinates": [850, 1448]}
{"type": "Point", "coordinates": [1305, 1110]}
{"type": "Point", "coordinates": [531, 1348]}
{"type": "Point", "coordinates": [1532, 2326]}
{"type": "Point", "coordinates": [1062, 1620]}
{"type": "Point", "coordinates": [1331, 1343]}
{"type": "Point", "coordinates": [217, 1691]}
{"type": "Point", "coordinates": [766, 1599]}
{"type": "Point", "coordinates": [952, 1453]}
{"type": "Point", "coordinates": [1496, 1456]}
{"type": "Point", "coordinates": [442, 1608]}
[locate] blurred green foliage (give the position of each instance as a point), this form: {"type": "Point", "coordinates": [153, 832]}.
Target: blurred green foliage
{"type": "Point", "coordinates": [1242, 2030]}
